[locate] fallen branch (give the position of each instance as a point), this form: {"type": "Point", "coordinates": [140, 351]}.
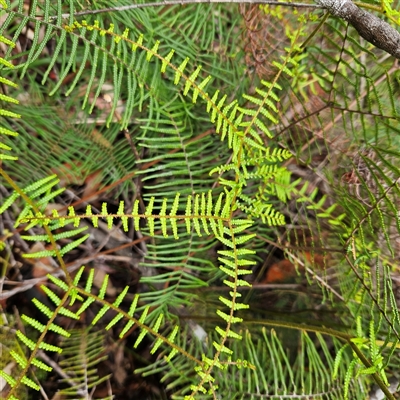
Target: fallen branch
{"type": "Point", "coordinates": [369, 26]}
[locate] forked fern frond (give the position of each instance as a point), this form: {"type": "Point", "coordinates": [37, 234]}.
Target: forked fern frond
{"type": "Point", "coordinates": [196, 156]}
{"type": "Point", "coordinates": [84, 296]}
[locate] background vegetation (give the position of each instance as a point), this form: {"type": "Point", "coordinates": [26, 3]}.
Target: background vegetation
{"type": "Point", "coordinates": [171, 231]}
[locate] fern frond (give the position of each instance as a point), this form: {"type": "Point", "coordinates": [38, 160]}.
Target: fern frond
{"type": "Point", "coordinates": [199, 209]}
{"type": "Point", "coordinates": [7, 99]}
{"type": "Point", "coordinates": [82, 352]}
{"type": "Point", "coordinates": [34, 190]}
{"type": "Point", "coordinates": [183, 113]}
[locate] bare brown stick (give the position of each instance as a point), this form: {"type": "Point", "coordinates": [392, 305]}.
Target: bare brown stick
{"type": "Point", "coordinates": [369, 26]}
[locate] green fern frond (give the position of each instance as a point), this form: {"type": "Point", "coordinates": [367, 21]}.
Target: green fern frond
{"type": "Point", "coordinates": [32, 345]}
{"type": "Point", "coordinates": [202, 212]}
{"type": "Point", "coordinates": [141, 321]}
{"type": "Point", "coordinates": [222, 115]}
{"type": "Point", "coordinates": [170, 104]}
{"type": "Point", "coordinates": [82, 352]}
{"type": "Point", "coordinates": [34, 190]}
{"type": "Point", "coordinates": [40, 327]}
{"type": "Point", "coordinates": [7, 99]}
{"type": "Point", "coordinates": [22, 362]}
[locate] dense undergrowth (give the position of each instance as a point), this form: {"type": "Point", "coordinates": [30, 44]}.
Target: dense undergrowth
{"type": "Point", "coordinates": [197, 201]}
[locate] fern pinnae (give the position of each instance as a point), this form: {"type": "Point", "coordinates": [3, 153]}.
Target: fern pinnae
{"type": "Point", "coordinates": [114, 321]}
{"type": "Point", "coordinates": [82, 67]}
{"type": "Point", "coordinates": [58, 236]}
{"type": "Point", "coordinates": [118, 74]}
{"type": "Point", "coordinates": [62, 251]}
{"type": "Point", "coordinates": [58, 282]}
{"type": "Point", "coordinates": [278, 351]}
{"type": "Point", "coordinates": [156, 346]}
{"type": "Point", "coordinates": [163, 219]}
{"type": "Point", "coordinates": [40, 327]}
{"type": "Point", "coordinates": [108, 217]}
{"type": "Point", "coordinates": [141, 322]}
{"type": "Point", "coordinates": [131, 311]}
{"type": "Point", "coordinates": [179, 71]}
{"type": "Point", "coordinates": [58, 302]}
{"type": "Point", "coordinates": [39, 364]}
{"type": "Point", "coordinates": [18, 358]}
{"type": "Point", "coordinates": [395, 320]}
{"type": "Point", "coordinates": [43, 41]}
{"type": "Point", "coordinates": [34, 346]}
{"type": "Point", "coordinates": [75, 41]}
{"type": "Point", "coordinates": [85, 305]}
{"type": "Point", "coordinates": [100, 314]}
{"type": "Point", "coordinates": [72, 217]}
{"type": "Point", "coordinates": [32, 191]}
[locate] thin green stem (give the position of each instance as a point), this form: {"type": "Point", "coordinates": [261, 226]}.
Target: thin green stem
{"type": "Point", "coordinates": [185, 2]}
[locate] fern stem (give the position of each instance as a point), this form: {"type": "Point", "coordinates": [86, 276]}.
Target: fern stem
{"type": "Point", "coordinates": [184, 2]}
